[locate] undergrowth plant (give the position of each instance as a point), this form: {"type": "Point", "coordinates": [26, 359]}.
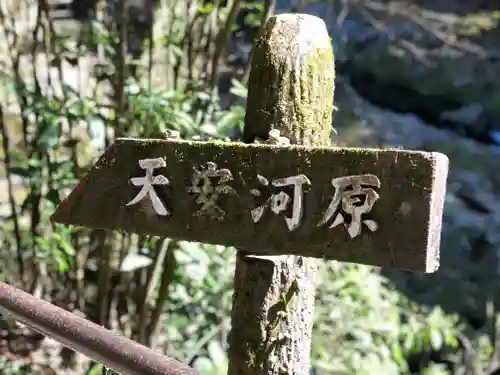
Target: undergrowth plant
{"type": "Point", "coordinates": [69, 93]}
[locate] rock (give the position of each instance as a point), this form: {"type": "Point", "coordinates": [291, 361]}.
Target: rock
{"type": "Point", "coordinates": [468, 115]}
{"type": "Point", "coordinates": [469, 120]}
{"type": "Point", "coordinates": [414, 59]}
{"type": "Point", "coordinates": [470, 247]}
{"type": "Point", "coordinates": [413, 53]}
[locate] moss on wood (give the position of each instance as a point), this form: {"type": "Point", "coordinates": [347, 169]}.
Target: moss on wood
{"type": "Point", "coordinates": [291, 90]}
{"type": "Point", "coordinates": [408, 178]}
{"type": "Point", "coordinates": [291, 85]}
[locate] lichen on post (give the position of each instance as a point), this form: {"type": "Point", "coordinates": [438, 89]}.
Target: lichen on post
{"type": "Point", "coordinates": [291, 87]}
{"type": "Point", "coordinates": [292, 81]}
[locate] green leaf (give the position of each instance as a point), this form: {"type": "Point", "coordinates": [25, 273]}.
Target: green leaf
{"type": "Point", "coordinates": [62, 264]}
{"type": "Point", "coordinates": [21, 171]}
{"type": "Point", "coordinates": [53, 197]}
{"type": "Point", "coordinates": [209, 129]}
{"type": "Point", "coordinates": [409, 342]}
{"type": "Point", "coordinates": [216, 353]}
{"type": "Point", "coordinates": [436, 339]}
{"type": "Point", "coordinates": [62, 165]}
{"type": "Point", "coordinates": [238, 89]}
{"type": "Point", "coordinates": [204, 96]}
{"type": "Point", "coordinates": [205, 9]}
{"type": "Point", "coordinates": [134, 261]}
{"type": "Point", "coordinates": [96, 128]}
{"type": "Point", "coordinates": [67, 248]}
{"type": "Point", "coordinates": [50, 134]}
{"type": "Point", "coordinates": [397, 354]}
{"type": "Point", "coordinates": [96, 369]}
{"type": "Point", "coordinates": [231, 120]}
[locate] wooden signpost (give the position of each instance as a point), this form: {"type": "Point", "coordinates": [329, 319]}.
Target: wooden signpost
{"type": "Point", "coordinates": [280, 203]}
{"type": "Point", "coordinates": [343, 204]}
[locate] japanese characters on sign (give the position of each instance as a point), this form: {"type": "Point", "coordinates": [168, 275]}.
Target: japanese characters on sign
{"type": "Point", "coordinates": [348, 193]}
{"type": "Point", "coordinates": [207, 192]}
{"type": "Point", "coordinates": [148, 182]}
{"type": "Point", "coordinates": [281, 201]}
{"type": "Point", "coordinates": [353, 197]}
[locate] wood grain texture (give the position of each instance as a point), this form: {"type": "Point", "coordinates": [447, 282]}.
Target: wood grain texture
{"type": "Point", "coordinates": [290, 90]}
{"type": "Point", "coordinates": [408, 212]}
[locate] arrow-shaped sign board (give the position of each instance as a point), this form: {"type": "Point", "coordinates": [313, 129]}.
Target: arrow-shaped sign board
{"type": "Point", "coordinates": [377, 207]}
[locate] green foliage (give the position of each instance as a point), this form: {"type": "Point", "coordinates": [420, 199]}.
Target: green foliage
{"type": "Point", "coordinates": [96, 370]}
{"type": "Point", "coordinates": [477, 23]}
{"type": "Point", "coordinates": [254, 15]}
{"type": "Point", "coordinates": [216, 361]}
{"type": "Point", "coordinates": [56, 246]}
{"type": "Point", "coordinates": [9, 367]}
{"type": "Point", "coordinates": [364, 324]}
{"type": "Point", "coordinates": [201, 298]}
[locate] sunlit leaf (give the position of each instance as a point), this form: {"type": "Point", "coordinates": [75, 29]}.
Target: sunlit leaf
{"type": "Point", "coordinates": [50, 133]}
{"type": "Point", "coordinates": [436, 339]}
{"type": "Point", "coordinates": [134, 261]}
{"type": "Point", "coordinates": [96, 369]}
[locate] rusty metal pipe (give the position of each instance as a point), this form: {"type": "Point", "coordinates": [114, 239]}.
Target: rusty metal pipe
{"type": "Point", "coordinates": [100, 344]}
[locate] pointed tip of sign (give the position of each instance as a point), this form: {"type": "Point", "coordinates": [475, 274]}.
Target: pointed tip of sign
{"type": "Point", "coordinates": [72, 204]}
{"type": "Point", "coordinates": [62, 215]}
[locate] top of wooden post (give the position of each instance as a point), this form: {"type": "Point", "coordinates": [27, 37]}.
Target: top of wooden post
{"type": "Point", "coordinates": [292, 81]}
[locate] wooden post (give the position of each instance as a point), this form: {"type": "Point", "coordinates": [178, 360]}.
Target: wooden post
{"type": "Point", "coordinates": [291, 88]}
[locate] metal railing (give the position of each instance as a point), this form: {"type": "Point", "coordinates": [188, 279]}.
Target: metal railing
{"type": "Point", "coordinates": [120, 354]}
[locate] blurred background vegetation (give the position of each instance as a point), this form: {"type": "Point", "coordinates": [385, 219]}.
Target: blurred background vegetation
{"type": "Point", "coordinates": [76, 74]}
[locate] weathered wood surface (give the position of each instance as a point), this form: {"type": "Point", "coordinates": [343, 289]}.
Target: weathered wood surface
{"type": "Point", "coordinates": [407, 213]}
{"type": "Point", "coordinates": [290, 90]}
